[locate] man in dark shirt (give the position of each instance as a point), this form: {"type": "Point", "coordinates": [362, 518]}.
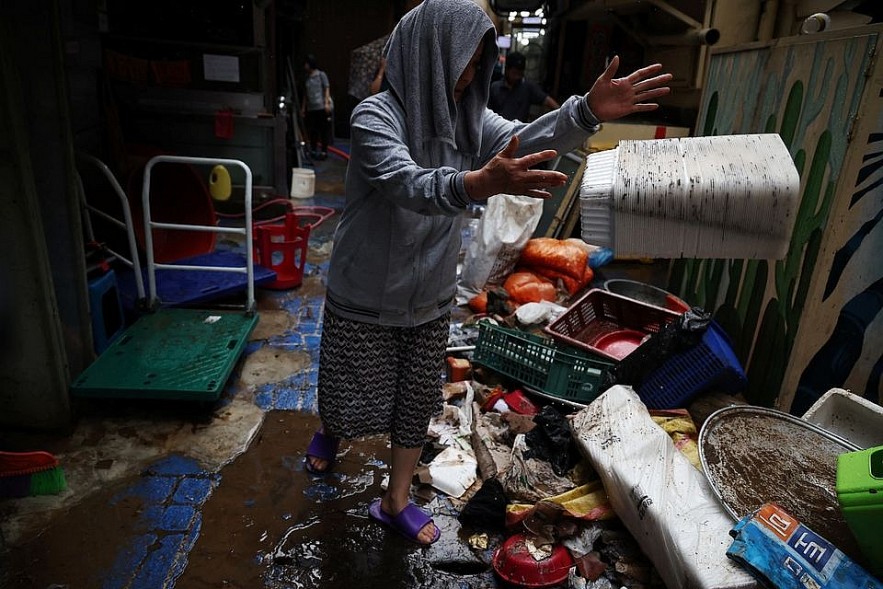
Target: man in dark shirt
{"type": "Point", "coordinates": [513, 96]}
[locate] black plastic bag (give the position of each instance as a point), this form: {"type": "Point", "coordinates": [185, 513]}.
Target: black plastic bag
{"type": "Point", "coordinates": [674, 338]}
{"type": "Point", "coordinates": [486, 510]}
{"type": "Point", "coordinates": [551, 440]}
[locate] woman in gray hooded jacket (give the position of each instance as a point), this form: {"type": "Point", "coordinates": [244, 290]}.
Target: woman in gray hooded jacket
{"type": "Point", "coordinates": [422, 151]}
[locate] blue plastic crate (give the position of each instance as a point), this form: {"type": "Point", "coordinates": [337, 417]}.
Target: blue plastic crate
{"type": "Point", "coordinates": [176, 288]}
{"type": "Point", "coordinates": [711, 364]}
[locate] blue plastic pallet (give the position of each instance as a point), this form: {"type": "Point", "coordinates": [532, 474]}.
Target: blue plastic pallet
{"type": "Point", "coordinates": [177, 288]}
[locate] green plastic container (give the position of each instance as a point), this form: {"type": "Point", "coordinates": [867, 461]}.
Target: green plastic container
{"type": "Point", "coordinates": [540, 364]}
{"type": "Point", "coordinates": [182, 354]}
{"type": "Point", "coordinates": [860, 492]}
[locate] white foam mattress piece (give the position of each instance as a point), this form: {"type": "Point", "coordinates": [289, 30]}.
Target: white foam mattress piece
{"type": "Point", "coordinates": [729, 196]}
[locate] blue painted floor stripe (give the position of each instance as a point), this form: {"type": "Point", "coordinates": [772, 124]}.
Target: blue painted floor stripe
{"type": "Point", "coordinates": [172, 490]}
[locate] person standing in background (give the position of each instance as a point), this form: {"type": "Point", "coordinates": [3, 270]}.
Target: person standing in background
{"type": "Point", "coordinates": [316, 108]}
{"type": "Point", "coordinates": [512, 96]}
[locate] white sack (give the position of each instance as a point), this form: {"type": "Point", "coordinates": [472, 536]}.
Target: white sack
{"type": "Point", "coordinates": [664, 501]}
{"type": "Point", "coordinates": [506, 225]}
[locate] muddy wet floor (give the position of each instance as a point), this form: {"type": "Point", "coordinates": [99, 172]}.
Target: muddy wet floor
{"type": "Point", "coordinates": [269, 524]}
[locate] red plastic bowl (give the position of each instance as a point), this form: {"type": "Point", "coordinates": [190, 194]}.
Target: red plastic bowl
{"type": "Point", "coordinates": [620, 343]}
{"type": "Point", "coordinates": [514, 564]}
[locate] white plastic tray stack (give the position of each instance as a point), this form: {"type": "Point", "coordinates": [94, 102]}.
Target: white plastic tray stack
{"type": "Point", "coordinates": [732, 196]}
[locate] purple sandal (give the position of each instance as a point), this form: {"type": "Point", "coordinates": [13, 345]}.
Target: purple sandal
{"type": "Point", "coordinates": [323, 447]}
{"type": "Point", "coordinates": [408, 522]}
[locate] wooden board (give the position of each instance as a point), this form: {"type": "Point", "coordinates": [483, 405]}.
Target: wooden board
{"type": "Point", "coordinates": [557, 209]}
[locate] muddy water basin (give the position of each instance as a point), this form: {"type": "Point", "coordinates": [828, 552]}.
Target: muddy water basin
{"type": "Point", "coordinates": [753, 455]}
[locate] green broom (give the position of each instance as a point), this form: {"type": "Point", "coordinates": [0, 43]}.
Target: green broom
{"type": "Point", "coordinates": [24, 474]}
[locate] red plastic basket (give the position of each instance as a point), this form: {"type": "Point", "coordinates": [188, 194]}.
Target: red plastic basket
{"type": "Point", "coordinates": [608, 324]}
{"type": "Point", "coordinates": [283, 249]}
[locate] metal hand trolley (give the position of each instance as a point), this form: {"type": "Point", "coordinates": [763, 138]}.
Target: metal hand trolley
{"type": "Point", "coordinates": [176, 353]}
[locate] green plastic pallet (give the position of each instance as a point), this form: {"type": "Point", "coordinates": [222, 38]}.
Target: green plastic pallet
{"type": "Point", "coordinates": [184, 354]}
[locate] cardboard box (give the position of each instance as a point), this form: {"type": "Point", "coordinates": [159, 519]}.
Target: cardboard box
{"type": "Point", "coordinates": [611, 134]}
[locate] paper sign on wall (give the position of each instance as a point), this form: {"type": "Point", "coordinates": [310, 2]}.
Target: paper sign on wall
{"type": "Point", "coordinates": [220, 68]}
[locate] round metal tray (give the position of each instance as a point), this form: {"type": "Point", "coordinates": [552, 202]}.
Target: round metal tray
{"type": "Point", "coordinates": [753, 455]}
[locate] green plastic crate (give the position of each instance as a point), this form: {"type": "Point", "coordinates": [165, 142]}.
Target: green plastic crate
{"type": "Point", "coordinates": [860, 494]}
{"type": "Point", "coordinates": [540, 364]}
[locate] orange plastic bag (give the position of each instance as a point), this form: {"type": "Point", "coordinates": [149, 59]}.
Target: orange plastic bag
{"type": "Point", "coordinates": [527, 287]}
{"type": "Point", "coordinates": [563, 257]}
{"type": "Point", "coordinates": [571, 284]}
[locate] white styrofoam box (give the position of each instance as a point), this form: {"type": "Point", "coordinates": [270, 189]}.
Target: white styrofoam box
{"type": "Point", "coordinates": [666, 503]}
{"type": "Point", "coordinates": [731, 196]}
{"type": "Point", "coordinates": [849, 416]}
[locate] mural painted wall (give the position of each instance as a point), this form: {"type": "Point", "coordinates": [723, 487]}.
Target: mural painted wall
{"type": "Point", "coordinates": [812, 320]}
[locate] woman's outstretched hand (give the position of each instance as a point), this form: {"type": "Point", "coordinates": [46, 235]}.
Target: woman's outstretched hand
{"type": "Point", "coordinates": [612, 98]}
{"type": "Point", "coordinates": [507, 174]}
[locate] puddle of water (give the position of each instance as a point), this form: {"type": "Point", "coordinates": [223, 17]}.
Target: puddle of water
{"type": "Point", "coordinates": [313, 531]}
{"type": "Point", "coordinates": [267, 524]}
{"type": "Point", "coordinates": [58, 557]}
{"type": "Point", "coordinates": [365, 556]}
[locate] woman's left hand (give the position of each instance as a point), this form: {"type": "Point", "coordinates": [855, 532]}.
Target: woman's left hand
{"type": "Point", "coordinates": [509, 174]}
{"type": "Point", "coordinates": [612, 98]}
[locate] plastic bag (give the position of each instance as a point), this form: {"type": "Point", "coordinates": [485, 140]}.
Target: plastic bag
{"type": "Point", "coordinates": [551, 441]}
{"type": "Point", "coordinates": [486, 510]}
{"type": "Point", "coordinates": [535, 313]}
{"type": "Point", "coordinates": [674, 338]}
{"type": "Point", "coordinates": [505, 227]}
{"type": "Point", "coordinates": [530, 480]}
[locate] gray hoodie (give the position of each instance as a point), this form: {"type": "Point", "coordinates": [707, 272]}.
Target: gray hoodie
{"type": "Point", "coordinates": [396, 247]}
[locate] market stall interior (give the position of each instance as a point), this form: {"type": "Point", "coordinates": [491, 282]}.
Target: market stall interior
{"type": "Point", "coordinates": [649, 379]}
{"type": "Point", "coordinates": [569, 355]}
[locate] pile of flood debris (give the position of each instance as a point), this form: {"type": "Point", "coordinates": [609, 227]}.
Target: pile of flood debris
{"type": "Point", "coordinates": [611, 493]}
{"type": "Point", "coordinates": [511, 466]}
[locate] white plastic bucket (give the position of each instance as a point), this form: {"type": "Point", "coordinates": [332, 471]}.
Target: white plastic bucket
{"type": "Point", "coordinates": [303, 183]}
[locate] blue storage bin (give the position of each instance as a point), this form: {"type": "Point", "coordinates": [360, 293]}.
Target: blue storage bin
{"type": "Point", "coordinates": [106, 310]}
{"type": "Point", "coordinates": [710, 364]}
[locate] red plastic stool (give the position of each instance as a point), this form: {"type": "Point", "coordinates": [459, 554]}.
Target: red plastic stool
{"type": "Point", "coordinates": [283, 249]}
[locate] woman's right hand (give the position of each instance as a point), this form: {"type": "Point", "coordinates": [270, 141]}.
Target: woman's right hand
{"type": "Point", "coordinates": [508, 174]}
